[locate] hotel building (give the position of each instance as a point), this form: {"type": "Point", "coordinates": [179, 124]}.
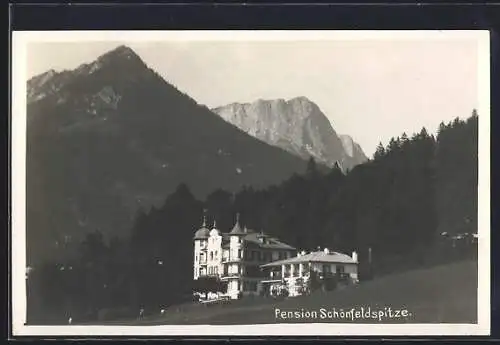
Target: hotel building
{"type": "Point", "coordinates": [236, 257]}
{"type": "Point", "coordinates": [295, 273]}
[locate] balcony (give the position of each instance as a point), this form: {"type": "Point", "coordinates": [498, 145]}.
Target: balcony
{"type": "Point", "coordinates": [232, 275]}
{"type": "Point", "coordinates": [232, 259]}
{"type": "Point", "coordinates": [275, 275]}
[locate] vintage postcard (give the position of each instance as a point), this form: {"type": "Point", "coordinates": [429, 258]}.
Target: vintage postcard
{"type": "Point", "coordinates": [194, 183]}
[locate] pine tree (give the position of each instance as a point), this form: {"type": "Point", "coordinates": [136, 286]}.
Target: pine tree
{"type": "Point", "coordinates": [393, 145]}
{"type": "Point", "coordinates": [379, 151]}
{"type": "Point", "coordinates": [404, 138]}
{"type": "Point", "coordinates": [423, 133]}
{"type": "Point", "coordinates": [442, 127]}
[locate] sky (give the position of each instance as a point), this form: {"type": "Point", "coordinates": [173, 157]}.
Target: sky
{"type": "Point", "coordinates": [370, 89]}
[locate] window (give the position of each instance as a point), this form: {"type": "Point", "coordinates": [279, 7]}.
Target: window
{"type": "Point", "coordinates": [196, 258]}
{"type": "Point", "coordinates": [211, 255]}
{"type": "Point", "coordinates": [340, 269]}
{"type": "Point", "coordinates": [240, 254]}
{"type": "Point", "coordinates": [326, 268]}
{"type": "Point", "coordinates": [216, 254]}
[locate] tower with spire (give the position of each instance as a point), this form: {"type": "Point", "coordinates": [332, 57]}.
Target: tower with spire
{"type": "Point", "coordinates": [200, 248]}
{"type": "Point", "coordinates": [214, 251]}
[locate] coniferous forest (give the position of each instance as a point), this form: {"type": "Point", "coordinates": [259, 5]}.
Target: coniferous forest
{"type": "Point", "coordinates": [405, 204]}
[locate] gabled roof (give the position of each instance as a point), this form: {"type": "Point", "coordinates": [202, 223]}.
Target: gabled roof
{"type": "Point", "coordinates": [248, 235]}
{"type": "Point", "coordinates": [319, 256]}
{"type": "Point", "coordinates": [271, 243]}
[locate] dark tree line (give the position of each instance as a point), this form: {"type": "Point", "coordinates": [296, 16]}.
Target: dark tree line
{"type": "Point", "coordinates": [398, 204]}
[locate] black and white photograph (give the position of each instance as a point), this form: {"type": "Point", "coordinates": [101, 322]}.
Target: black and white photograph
{"type": "Point", "coordinates": [250, 183]}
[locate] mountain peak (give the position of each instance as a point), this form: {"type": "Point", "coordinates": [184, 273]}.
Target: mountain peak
{"type": "Point", "coordinates": [42, 77]}
{"type": "Point", "coordinates": [296, 125]}
{"type": "Point", "coordinates": [120, 57]}
{"type": "Point", "coordinates": [114, 68]}
{"type": "Point", "coordinates": [120, 53]}
{"type": "Point", "coordinates": [301, 99]}
{"type": "Point", "coordinates": [122, 61]}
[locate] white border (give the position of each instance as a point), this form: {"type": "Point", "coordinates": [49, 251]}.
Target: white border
{"type": "Point", "coordinates": [19, 43]}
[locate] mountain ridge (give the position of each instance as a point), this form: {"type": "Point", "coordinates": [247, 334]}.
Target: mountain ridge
{"type": "Point", "coordinates": [296, 125]}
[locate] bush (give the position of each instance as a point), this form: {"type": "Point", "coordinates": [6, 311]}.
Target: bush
{"type": "Point", "coordinates": [284, 293]}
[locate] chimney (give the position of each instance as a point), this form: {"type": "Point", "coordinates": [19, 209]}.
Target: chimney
{"type": "Point", "coordinates": [327, 251]}
{"type": "Point", "coordinates": [355, 256]}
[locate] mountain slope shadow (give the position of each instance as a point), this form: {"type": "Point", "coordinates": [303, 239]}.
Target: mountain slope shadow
{"type": "Point", "coordinates": [112, 136]}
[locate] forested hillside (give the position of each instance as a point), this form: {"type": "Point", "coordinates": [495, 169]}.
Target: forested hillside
{"type": "Point", "coordinates": [399, 204]}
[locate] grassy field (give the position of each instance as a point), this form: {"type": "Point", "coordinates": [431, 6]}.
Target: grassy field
{"type": "Point", "coordinates": [443, 294]}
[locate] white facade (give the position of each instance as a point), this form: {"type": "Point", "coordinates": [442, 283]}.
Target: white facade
{"type": "Point", "coordinates": [294, 274]}
{"type": "Point", "coordinates": [236, 257]}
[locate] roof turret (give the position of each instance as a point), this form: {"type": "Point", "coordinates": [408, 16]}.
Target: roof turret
{"type": "Point", "coordinates": [214, 231]}
{"type": "Point", "coordinates": [237, 228]}
{"type": "Point", "coordinates": [203, 232]}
